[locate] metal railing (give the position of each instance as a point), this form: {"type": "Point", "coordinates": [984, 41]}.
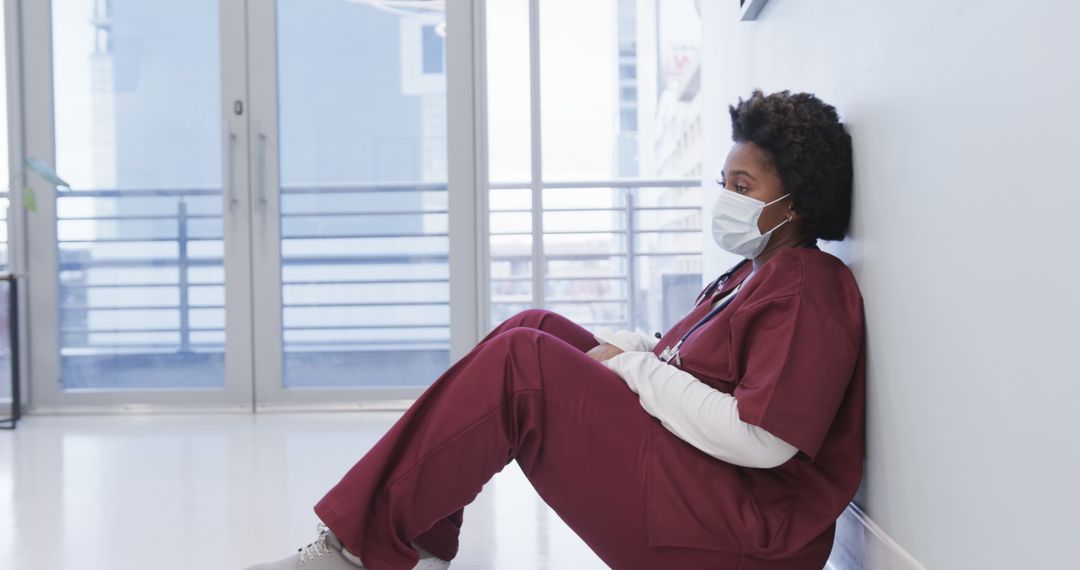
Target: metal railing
{"type": "Point", "coordinates": [79, 261]}
{"type": "Point", "coordinates": [171, 234]}
{"type": "Point", "coordinates": [628, 207]}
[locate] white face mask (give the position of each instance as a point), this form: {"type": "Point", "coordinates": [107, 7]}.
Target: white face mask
{"type": "Point", "coordinates": [735, 223]}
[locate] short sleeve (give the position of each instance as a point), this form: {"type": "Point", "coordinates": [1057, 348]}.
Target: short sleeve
{"type": "Point", "coordinates": [795, 362]}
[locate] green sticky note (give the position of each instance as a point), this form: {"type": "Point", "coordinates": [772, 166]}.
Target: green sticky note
{"type": "Point", "coordinates": [45, 172]}
{"type": "Point", "coordinates": [29, 199]}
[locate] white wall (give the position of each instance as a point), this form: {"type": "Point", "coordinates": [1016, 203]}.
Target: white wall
{"type": "Point", "coordinates": [966, 128]}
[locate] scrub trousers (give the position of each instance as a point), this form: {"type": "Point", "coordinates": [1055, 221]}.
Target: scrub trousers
{"type": "Point", "coordinates": [527, 392]}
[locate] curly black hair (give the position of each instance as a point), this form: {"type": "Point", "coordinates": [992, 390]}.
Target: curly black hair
{"type": "Point", "coordinates": [810, 149]}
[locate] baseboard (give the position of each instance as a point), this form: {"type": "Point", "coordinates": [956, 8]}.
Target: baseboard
{"type": "Point", "coordinates": [862, 545]}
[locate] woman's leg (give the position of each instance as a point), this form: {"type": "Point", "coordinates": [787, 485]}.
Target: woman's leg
{"type": "Point", "coordinates": [578, 433]}
{"type": "Point", "coordinates": [442, 538]}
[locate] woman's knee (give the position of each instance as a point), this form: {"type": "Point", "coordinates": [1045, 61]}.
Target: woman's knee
{"type": "Point", "coordinates": [530, 318]}
{"type": "Point", "coordinates": [514, 338]}
{"type": "Point", "coordinates": [549, 322]}
{"type": "Point", "coordinates": [528, 346]}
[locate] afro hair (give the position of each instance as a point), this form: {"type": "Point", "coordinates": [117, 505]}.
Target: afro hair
{"type": "Point", "coordinates": [810, 150]}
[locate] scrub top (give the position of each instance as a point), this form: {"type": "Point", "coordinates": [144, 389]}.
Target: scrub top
{"type": "Point", "coordinates": [790, 348]}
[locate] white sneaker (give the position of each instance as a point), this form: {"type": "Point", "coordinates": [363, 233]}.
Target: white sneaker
{"type": "Point", "coordinates": [327, 553]}
{"type": "Point", "coordinates": [429, 561]}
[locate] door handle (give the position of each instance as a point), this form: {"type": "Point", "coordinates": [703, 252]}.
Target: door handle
{"type": "Point", "coordinates": [260, 176]}
{"type": "Point", "coordinates": [230, 170]}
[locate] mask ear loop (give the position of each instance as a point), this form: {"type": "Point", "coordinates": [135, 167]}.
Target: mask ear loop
{"type": "Point", "coordinates": [778, 226]}
{"type": "Point", "coordinates": [786, 220]}
{"type": "Point", "coordinates": [810, 242]}
{"type": "Point", "coordinates": [777, 200]}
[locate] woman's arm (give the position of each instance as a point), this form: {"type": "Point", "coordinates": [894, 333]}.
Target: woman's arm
{"type": "Point", "coordinates": [702, 416]}
{"type": "Point", "coordinates": [627, 341]}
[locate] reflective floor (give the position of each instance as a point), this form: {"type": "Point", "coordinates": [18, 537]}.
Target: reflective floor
{"type": "Point", "coordinates": [221, 492]}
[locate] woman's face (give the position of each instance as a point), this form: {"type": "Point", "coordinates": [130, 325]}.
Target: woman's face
{"type": "Point", "coordinates": [748, 171]}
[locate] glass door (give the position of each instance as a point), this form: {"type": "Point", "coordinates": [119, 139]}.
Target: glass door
{"type": "Point", "coordinates": [247, 204]}
{"type": "Point", "coordinates": [139, 234]}
{"type": "Point", "coordinates": [351, 218]}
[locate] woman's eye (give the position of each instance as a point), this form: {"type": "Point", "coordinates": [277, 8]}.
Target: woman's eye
{"type": "Point", "coordinates": [739, 188]}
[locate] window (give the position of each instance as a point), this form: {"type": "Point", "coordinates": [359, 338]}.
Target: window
{"type": "Point", "coordinates": [258, 212]}
{"type": "Point", "coordinates": [609, 234]}
{"type": "Point", "coordinates": [141, 280]}
{"type": "Point", "coordinates": [433, 50]}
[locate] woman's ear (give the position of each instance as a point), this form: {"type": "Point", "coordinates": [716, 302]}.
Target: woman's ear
{"type": "Point", "coordinates": [792, 215]}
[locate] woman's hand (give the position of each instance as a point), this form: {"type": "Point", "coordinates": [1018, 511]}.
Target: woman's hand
{"type": "Point", "coordinates": [604, 351]}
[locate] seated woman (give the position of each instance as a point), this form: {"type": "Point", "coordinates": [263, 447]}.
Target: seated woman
{"type": "Point", "coordinates": [735, 441]}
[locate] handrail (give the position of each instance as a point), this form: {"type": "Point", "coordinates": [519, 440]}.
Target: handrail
{"type": "Point", "coordinates": [387, 187]}
{"type": "Point", "coordinates": [74, 259]}
{"type": "Point", "coordinates": [603, 183]}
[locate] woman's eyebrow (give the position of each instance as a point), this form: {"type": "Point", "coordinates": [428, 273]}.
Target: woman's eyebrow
{"type": "Point", "coordinates": [743, 172]}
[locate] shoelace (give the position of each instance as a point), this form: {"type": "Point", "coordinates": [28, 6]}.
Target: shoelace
{"type": "Point", "coordinates": [316, 549]}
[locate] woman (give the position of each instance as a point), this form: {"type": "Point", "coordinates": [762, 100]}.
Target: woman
{"type": "Point", "coordinates": [740, 439]}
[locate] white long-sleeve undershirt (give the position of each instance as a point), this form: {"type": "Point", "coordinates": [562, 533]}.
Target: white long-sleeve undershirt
{"type": "Point", "coordinates": [697, 413]}
{"type": "Point", "coordinates": [626, 341]}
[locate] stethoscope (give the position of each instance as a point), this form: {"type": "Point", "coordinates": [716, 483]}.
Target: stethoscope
{"type": "Point", "coordinates": [672, 352]}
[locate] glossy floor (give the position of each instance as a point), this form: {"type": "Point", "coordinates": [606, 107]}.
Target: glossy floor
{"type": "Point", "coordinates": [221, 492]}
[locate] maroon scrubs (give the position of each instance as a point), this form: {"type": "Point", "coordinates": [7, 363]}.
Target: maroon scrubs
{"type": "Point", "coordinates": [790, 349]}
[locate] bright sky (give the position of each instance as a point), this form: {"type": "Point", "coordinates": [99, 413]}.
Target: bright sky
{"type": "Point", "coordinates": [71, 88]}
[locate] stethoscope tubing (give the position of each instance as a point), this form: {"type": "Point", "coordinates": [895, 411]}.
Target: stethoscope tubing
{"type": "Point", "coordinates": [672, 352]}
